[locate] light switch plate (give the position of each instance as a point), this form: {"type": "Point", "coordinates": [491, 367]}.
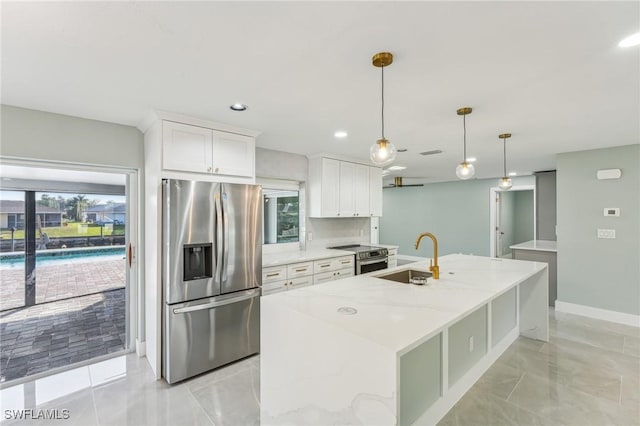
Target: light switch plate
{"type": "Point", "coordinates": [606, 233]}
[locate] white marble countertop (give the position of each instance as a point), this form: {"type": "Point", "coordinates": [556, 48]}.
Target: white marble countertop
{"type": "Point", "coordinates": [538, 245]}
{"type": "Point", "coordinates": [387, 246]}
{"type": "Point", "coordinates": [284, 258]}
{"type": "Point", "coordinates": [401, 316]}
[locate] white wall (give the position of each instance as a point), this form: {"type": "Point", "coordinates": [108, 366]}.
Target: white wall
{"type": "Point", "coordinates": [39, 135]}
{"type": "Point", "coordinates": [593, 272]}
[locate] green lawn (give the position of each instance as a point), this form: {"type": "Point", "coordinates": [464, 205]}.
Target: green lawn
{"type": "Point", "coordinates": [73, 229]}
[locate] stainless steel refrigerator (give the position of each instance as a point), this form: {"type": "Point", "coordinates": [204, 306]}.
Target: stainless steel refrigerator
{"type": "Point", "coordinates": [211, 275]}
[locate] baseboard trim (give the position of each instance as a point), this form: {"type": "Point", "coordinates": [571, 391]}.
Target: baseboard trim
{"type": "Point", "coordinates": [141, 348]}
{"type": "Point", "coordinates": [597, 313]}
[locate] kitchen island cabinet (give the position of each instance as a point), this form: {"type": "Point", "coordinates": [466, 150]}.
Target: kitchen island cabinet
{"type": "Point", "coordinates": [541, 251]}
{"type": "Point", "coordinates": [366, 350]}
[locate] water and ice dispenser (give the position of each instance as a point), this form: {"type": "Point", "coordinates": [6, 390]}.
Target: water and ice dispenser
{"type": "Point", "coordinates": [197, 261]}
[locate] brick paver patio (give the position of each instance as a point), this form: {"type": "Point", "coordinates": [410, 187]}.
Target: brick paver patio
{"type": "Point", "coordinates": [60, 281]}
{"type": "Point", "coordinates": [56, 334]}
{"type": "Point", "coordinates": [79, 314]}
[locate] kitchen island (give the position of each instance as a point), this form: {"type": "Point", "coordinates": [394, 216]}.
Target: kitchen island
{"type": "Point", "coordinates": [365, 350]}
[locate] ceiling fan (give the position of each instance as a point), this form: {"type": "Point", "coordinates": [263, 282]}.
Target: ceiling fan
{"type": "Point", "coordinates": [397, 183]}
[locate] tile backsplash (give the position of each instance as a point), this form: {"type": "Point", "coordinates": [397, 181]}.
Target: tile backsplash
{"type": "Point", "coordinates": [332, 232]}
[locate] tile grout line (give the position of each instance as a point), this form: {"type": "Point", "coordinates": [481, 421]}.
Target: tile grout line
{"type": "Point", "coordinates": [514, 388]}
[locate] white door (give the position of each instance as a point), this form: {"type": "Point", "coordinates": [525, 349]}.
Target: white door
{"type": "Point", "coordinates": [186, 148]}
{"type": "Point", "coordinates": [375, 191]}
{"type": "Point", "coordinates": [361, 190]}
{"type": "Point", "coordinates": [498, 230]}
{"type": "Point", "coordinates": [330, 187]}
{"type": "Point", "coordinates": [233, 154]}
{"type": "Point", "coordinates": [347, 196]}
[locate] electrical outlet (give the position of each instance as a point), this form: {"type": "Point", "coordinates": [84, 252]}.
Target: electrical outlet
{"type": "Point", "coordinates": [606, 233]}
{"type": "Point", "coordinates": [471, 344]}
{"type": "Point", "coordinates": [362, 232]}
{"type": "Point", "coordinates": [310, 236]}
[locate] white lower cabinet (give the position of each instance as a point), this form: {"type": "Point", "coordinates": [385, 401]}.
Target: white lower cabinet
{"type": "Point", "coordinates": [295, 275]}
{"type": "Point", "coordinates": [333, 275]}
{"type": "Point", "coordinates": [392, 258]}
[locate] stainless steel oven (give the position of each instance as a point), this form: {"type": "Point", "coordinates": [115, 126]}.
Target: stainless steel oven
{"type": "Point", "coordinates": [368, 258]}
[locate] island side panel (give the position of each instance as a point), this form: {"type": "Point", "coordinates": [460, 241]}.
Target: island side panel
{"type": "Point", "coordinates": [312, 372]}
{"type": "Point", "coordinates": [534, 306]}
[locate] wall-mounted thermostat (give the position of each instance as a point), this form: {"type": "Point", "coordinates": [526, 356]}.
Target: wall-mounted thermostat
{"type": "Point", "coordinates": [609, 174]}
{"type": "Point", "coordinates": [611, 211]}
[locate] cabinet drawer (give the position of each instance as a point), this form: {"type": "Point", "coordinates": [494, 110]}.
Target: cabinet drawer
{"type": "Point", "coordinates": [344, 273]}
{"type": "Point", "coordinates": [300, 282]}
{"type": "Point", "coordinates": [344, 262]}
{"type": "Point", "coordinates": [274, 273]}
{"type": "Point", "coordinates": [323, 277]}
{"type": "Point", "coordinates": [325, 265]}
{"type": "Point", "coordinates": [274, 287]}
{"type": "Point", "coordinates": [299, 269]}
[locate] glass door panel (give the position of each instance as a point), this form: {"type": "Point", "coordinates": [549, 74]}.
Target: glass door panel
{"type": "Point", "coordinates": [12, 249]}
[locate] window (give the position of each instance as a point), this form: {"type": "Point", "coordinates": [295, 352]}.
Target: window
{"type": "Point", "coordinates": [283, 211]}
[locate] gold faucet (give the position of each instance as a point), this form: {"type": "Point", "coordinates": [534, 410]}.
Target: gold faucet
{"type": "Point", "coordinates": [433, 266]}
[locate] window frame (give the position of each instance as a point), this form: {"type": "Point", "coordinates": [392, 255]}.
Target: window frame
{"type": "Point", "coordinates": [286, 185]}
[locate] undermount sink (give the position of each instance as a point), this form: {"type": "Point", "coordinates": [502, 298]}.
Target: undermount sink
{"type": "Point", "coordinates": [408, 276]}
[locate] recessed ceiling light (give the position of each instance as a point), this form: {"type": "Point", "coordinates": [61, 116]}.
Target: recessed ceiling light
{"type": "Point", "coordinates": [632, 40]}
{"type": "Point", "coordinates": [340, 134]}
{"type": "Point", "coordinates": [396, 168]}
{"type": "Point", "coordinates": [239, 107]}
{"type": "Point", "coordinates": [513, 174]}
{"type": "Point", "coordinates": [471, 160]}
{"type": "Point", "coordinates": [386, 172]}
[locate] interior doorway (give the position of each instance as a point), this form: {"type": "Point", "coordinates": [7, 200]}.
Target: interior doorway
{"type": "Point", "coordinates": [513, 218]}
{"type": "Point", "coordinates": [66, 239]}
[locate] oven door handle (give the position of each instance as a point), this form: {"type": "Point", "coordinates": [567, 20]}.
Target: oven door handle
{"type": "Point", "coordinates": [370, 261]}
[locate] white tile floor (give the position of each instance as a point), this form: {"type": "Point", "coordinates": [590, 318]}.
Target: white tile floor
{"type": "Point", "coordinates": [588, 374]}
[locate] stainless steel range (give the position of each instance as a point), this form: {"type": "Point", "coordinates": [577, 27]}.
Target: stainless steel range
{"type": "Point", "coordinates": [368, 258]}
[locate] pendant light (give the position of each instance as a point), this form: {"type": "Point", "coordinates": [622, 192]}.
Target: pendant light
{"type": "Point", "coordinates": [464, 170]}
{"type": "Point", "coordinates": [505, 182]}
{"type": "Point", "coordinates": [382, 152]}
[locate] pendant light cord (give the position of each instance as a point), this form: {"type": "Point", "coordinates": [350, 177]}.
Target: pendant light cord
{"type": "Point", "coordinates": [464, 138]}
{"type": "Point", "coordinates": [504, 156]}
{"type": "Point", "coordinates": [382, 69]}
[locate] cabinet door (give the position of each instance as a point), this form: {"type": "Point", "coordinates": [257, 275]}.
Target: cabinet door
{"type": "Point", "coordinates": [330, 187]}
{"type": "Point", "coordinates": [233, 154]}
{"type": "Point", "coordinates": [300, 282]}
{"type": "Point", "coordinates": [344, 273]}
{"type": "Point", "coordinates": [323, 277]}
{"type": "Point", "coordinates": [361, 190]}
{"type": "Point", "coordinates": [375, 191]}
{"type": "Point", "coordinates": [347, 182]}
{"type": "Point", "coordinates": [274, 287]}
{"type": "Point", "coordinates": [186, 148]}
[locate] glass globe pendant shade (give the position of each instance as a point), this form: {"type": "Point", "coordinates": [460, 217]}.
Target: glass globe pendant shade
{"type": "Point", "coordinates": [505, 183]}
{"type": "Point", "coordinates": [465, 170]}
{"type": "Point", "coordinates": [382, 152]}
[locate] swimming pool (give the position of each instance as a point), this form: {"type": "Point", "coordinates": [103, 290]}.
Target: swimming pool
{"type": "Point", "coordinates": [64, 256]}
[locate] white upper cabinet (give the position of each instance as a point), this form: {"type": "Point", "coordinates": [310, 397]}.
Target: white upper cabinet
{"type": "Point", "coordinates": [195, 149]}
{"type": "Point", "coordinates": [328, 203]}
{"type": "Point", "coordinates": [361, 190]}
{"type": "Point", "coordinates": [344, 189]}
{"type": "Point", "coordinates": [233, 154]}
{"type": "Point", "coordinates": [375, 191]}
{"type": "Point", "coordinates": [347, 195]}
{"type": "Point", "coordinates": [186, 148]}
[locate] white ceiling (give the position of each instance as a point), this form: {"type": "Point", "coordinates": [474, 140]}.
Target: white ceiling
{"type": "Point", "coordinates": [551, 73]}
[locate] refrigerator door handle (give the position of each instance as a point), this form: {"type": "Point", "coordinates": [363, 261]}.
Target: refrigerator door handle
{"type": "Point", "coordinates": [215, 304]}
{"type": "Point", "coordinates": [219, 240]}
{"type": "Point", "coordinates": [225, 234]}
